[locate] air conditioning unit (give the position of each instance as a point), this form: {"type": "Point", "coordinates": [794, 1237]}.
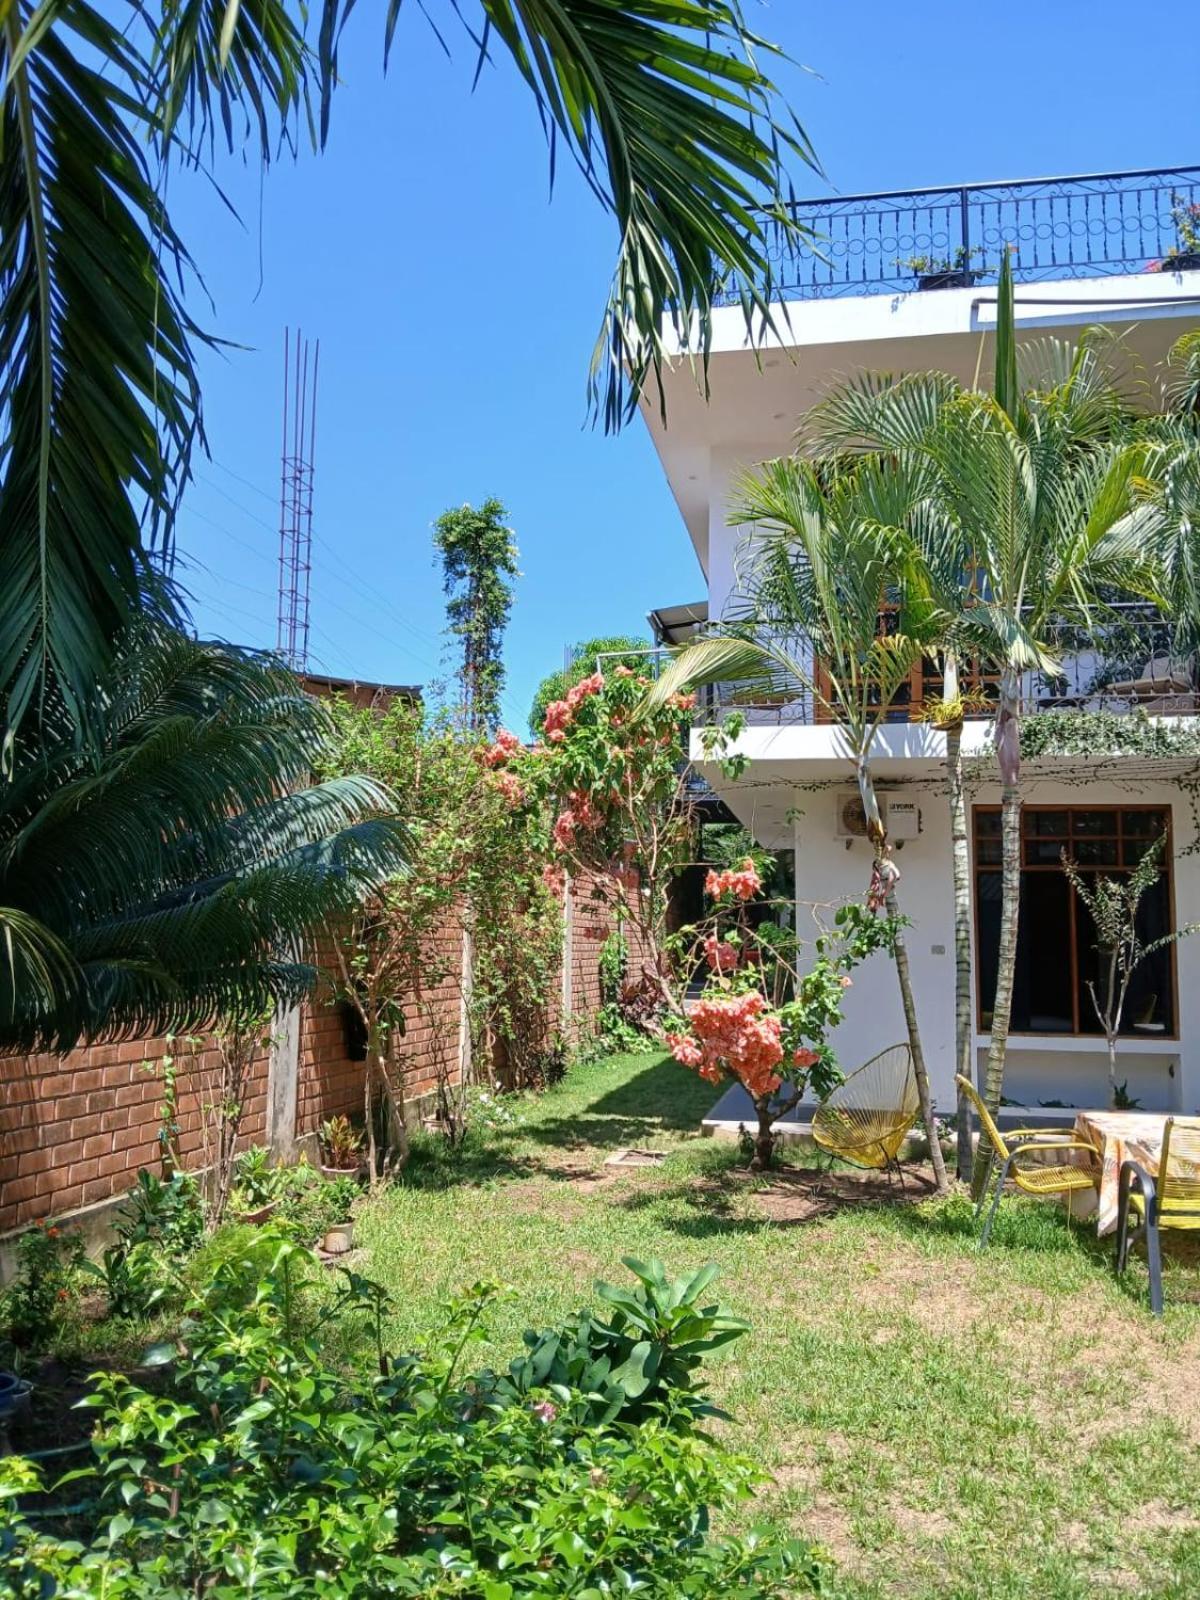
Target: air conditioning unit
{"type": "Point", "coordinates": [901, 818]}
{"type": "Point", "coordinates": [851, 819]}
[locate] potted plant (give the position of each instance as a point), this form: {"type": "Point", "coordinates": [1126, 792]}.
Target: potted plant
{"type": "Point", "coordinates": [340, 1195]}
{"type": "Point", "coordinates": [1184, 254]}
{"type": "Point", "coordinates": [341, 1147]}
{"type": "Point", "coordinates": [945, 272]}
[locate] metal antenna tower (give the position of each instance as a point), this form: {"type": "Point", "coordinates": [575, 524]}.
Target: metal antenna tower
{"type": "Point", "coordinates": [296, 496]}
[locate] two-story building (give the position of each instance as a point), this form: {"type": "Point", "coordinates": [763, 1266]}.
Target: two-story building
{"type": "Point", "coordinates": [1085, 251]}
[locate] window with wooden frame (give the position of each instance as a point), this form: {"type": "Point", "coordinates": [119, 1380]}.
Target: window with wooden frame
{"type": "Point", "coordinates": [1056, 938]}
{"type": "Point", "coordinates": [925, 682]}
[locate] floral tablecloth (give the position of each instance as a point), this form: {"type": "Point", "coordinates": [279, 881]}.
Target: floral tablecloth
{"type": "Point", "coordinates": [1120, 1136]}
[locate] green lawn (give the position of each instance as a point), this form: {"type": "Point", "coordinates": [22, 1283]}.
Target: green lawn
{"type": "Point", "coordinates": [944, 1423]}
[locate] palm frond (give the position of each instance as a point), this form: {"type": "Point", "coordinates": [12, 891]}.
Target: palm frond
{"type": "Point", "coordinates": [668, 112]}
{"type": "Point", "coordinates": [179, 864]}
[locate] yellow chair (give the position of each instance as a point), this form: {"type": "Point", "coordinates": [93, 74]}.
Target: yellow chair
{"type": "Point", "coordinates": [1170, 1201]}
{"type": "Point", "coordinates": [1033, 1177]}
{"type": "Point", "coordinates": [867, 1118]}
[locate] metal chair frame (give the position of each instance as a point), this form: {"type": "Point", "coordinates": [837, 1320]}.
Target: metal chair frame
{"type": "Point", "coordinates": [856, 1152]}
{"type": "Point", "coordinates": [1019, 1142]}
{"type": "Point", "coordinates": [1150, 1215]}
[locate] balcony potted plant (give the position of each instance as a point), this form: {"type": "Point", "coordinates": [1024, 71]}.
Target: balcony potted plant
{"type": "Point", "coordinates": [341, 1147]}
{"type": "Point", "coordinates": [945, 272]}
{"type": "Point", "coordinates": [1184, 254]}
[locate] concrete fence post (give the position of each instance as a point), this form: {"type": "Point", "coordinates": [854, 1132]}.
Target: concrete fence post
{"type": "Point", "coordinates": [466, 989]}
{"type": "Point", "coordinates": [568, 951]}
{"type": "Point", "coordinates": [283, 1077]}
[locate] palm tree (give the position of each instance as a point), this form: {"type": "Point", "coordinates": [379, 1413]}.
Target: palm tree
{"type": "Point", "coordinates": [1030, 494]}
{"type": "Point", "coordinates": [168, 873]}
{"type": "Point", "coordinates": [826, 555]}
{"type": "Point", "coordinates": [664, 105]}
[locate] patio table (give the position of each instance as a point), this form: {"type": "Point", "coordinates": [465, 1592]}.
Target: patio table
{"type": "Point", "coordinates": [1120, 1136]}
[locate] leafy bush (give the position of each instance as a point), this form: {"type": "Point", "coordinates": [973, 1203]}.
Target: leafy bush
{"type": "Point", "coordinates": [581, 1471]}
{"type": "Point", "coordinates": [49, 1259]}
{"type": "Point", "coordinates": [166, 1212]}
{"type": "Point", "coordinates": [134, 1277]}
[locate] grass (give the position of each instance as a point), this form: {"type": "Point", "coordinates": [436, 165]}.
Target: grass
{"type": "Point", "coordinates": [947, 1424]}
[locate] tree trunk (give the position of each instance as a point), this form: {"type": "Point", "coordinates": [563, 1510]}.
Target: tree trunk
{"type": "Point", "coordinates": [764, 1141]}
{"type": "Point", "coordinates": [918, 1055]}
{"type": "Point", "coordinates": [883, 890]}
{"type": "Point", "coordinates": [1008, 750]}
{"type": "Point", "coordinates": [961, 861]}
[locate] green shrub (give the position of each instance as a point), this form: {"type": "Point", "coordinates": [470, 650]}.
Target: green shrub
{"type": "Point", "coordinates": [49, 1259]}
{"type": "Point", "coordinates": [581, 1471]}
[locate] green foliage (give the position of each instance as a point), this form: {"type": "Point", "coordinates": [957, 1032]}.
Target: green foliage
{"type": "Point", "coordinates": [133, 1277]}
{"type": "Point", "coordinates": [1107, 733]}
{"type": "Point", "coordinates": [627, 649]}
{"type": "Point", "coordinates": [99, 387]}
{"type": "Point", "coordinates": [478, 853]}
{"type": "Point", "coordinates": [310, 1205]}
{"type": "Point", "coordinates": [164, 1212]}
{"type": "Point", "coordinates": [479, 556]}
{"type": "Point", "coordinates": [153, 879]}
{"type": "Point", "coordinates": [580, 1471]}
{"type": "Point", "coordinates": [49, 1259]}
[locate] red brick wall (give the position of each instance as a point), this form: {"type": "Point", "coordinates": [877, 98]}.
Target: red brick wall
{"type": "Point", "coordinates": [330, 1084]}
{"type": "Point", "coordinates": [74, 1130]}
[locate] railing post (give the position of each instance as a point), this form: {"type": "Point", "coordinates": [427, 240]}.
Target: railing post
{"type": "Point", "coordinates": [964, 207]}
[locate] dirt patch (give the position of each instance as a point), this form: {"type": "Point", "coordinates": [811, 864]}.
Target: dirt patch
{"type": "Point", "coordinates": [804, 1195]}
{"type": "Point", "coordinates": [914, 1523]}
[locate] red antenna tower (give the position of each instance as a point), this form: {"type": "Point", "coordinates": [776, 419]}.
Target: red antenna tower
{"type": "Point", "coordinates": [296, 496]}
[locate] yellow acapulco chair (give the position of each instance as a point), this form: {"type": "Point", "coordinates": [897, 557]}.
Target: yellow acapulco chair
{"type": "Point", "coordinates": [867, 1118]}
{"type": "Point", "coordinates": [1032, 1177]}
{"type": "Point", "coordinates": [1170, 1201]}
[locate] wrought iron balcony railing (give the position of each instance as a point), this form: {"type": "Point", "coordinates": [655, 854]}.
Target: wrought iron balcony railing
{"type": "Point", "coordinates": [1099, 225]}
{"type": "Point", "coordinates": [1123, 661]}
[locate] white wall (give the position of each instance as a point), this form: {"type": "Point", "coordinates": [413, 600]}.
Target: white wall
{"type": "Point", "coordinates": [828, 874]}
{"type": "Point", "coordinates": [1038, 1068]}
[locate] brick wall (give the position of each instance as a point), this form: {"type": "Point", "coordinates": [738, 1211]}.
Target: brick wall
{"type": "Point", "coordinates": [74, 1130]}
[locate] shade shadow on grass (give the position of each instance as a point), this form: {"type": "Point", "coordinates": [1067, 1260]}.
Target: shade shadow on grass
{"type": "Point", "coordinates": [436, 1164]}
{"type": "Point", "coordinates": [662, 1097]}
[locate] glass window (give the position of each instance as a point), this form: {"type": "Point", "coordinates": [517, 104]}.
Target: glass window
{"type": "Point", "coordinates": [1056, 939]}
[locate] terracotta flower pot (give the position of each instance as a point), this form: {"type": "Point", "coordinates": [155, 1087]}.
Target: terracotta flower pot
{"type": "Point", "coordinates": [339, 1239]}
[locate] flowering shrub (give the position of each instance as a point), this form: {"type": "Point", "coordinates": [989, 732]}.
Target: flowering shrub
{"type": "Point", "coordinates": [478, 854]}
{"type": "Point", "coordinates": [608, 781]}
{"type": "Point", "coordinates": [49, 1259]}
{"type": "Point", "coordinates": [741, 883]}
{"type": "Point", "coordinates": [760, 1020]}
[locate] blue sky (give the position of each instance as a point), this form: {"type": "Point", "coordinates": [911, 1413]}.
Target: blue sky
{"type": "Point", "coordinates": [457, 302]}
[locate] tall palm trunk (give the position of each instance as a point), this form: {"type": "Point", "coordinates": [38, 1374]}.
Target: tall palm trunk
{"type": "Point", "coordinates": [1008, 751]}
{"type": "Point", "coordinates": [961, 864]}
{"type": "Point", "coordinates": [883, 890]}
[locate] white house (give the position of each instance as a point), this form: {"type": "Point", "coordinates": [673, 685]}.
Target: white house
{"type": "Point", "coordinates": [1082, 248]}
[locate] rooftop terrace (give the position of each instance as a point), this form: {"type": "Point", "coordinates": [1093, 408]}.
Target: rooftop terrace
{"type": "Point", "coordinates": [1087, 226]}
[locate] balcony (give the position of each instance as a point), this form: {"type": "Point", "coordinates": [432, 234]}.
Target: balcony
{"type": "Point", "coordinates": [1124, 662]}
{"type": "Point", "coordinates": [1093, 226]}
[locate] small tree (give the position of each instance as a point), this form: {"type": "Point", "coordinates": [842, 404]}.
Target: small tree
{"type": "Point", "coordinates": [760, 1019]}
{"type": "Point", "coordinates": [1113, 904]}
{"type": "Point", "coordinates": [479, 556]}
